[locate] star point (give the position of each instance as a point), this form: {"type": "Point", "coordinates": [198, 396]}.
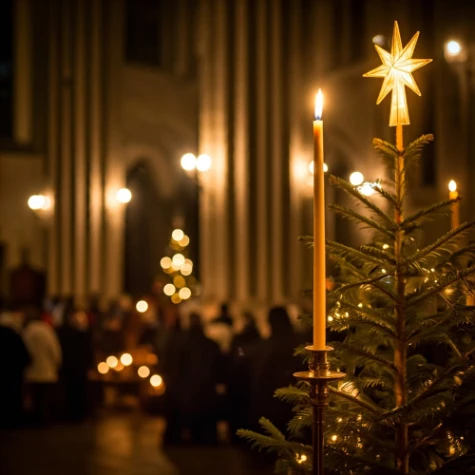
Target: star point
{"type": "Point", "coordinates": [396, 70]}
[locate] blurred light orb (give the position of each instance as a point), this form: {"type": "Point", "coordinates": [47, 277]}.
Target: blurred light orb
{"type": "Point", "coordinates": [188, 162]}
{"type": "Point", "coordinates": [143, 371]}
{"type": "Point", "coordinates": [453, 48]}
{"type": "Point", "coordinates": [184, 241]}
{"type": "Point", "coordinates": [124, 195]}
{"type": "Point", "coordinates": [112, 361]}
{"type": "Point", "coordinates": [179, 281]}
{"type": "Point", "coordinates": [311, 167]}
{"type": "Point", "coordinates": [379, 40]}
{"type": "Point", "coordinates": [178, 235]}
{"type": "Point", "coordinates": [103, 368]}
{"type": "Point", "coordinates": [169, 290]}
{"type": "Point", "coordinates": [178, 260]}
{"type": "Point", "coordinates": [141, 306]}
{"type": "Point", "coordinates": [126, 359]}
{"type": "Point", "coordinates": [366, 189]}
{"type": "Point", "coordinates": [166, 262]}
{"type": "Point", "coordinates": [36, 202]}
{"type": "Point", "coordinates": [186, 269]}
{"type": "Point", "coordinates": [452, 185]}
{"type": "Point", "coordinates": [356, 178]}
{"type": "Point", "coordinates": [156, 381]}
{"type": "Point", "coordinates": [203, 163]}
{"type": "Point", "coordinates": [184, 293]}
{"type": "Point", "coordinates": [175, 298]}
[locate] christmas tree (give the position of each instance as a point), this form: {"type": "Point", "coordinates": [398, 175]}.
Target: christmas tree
{"type": "Point", "coordinates": [178, 282]}
{"type": "Point", "coordinates": [405, 331]}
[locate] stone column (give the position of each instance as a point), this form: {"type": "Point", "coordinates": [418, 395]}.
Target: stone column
{"type": "Point", "coordinates": [241, 153]}
{"type": "Point", "coordinates": [23, 73]}
{"type": "Point", "coordinates": [80, 166]}
{"type": "Point", "coordinates": [96, 192]}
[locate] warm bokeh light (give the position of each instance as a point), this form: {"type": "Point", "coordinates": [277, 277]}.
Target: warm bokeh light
{"type": "Point", "coordinates": [184, 241]}
{"type": "Point", "coordinates": [188, 162]}
{"type": "Point", "coordinates": [302, 458]}
{"type": "Point", "coordinates": [112, 361]}
{"type": "Point", "coordinates": [166, 262]}
{"type": "Point", "coordinates": [177, 235]}
{"type": "Point", "coordinates": [453, 49]}
{"type": "Point", "coordinates": [124, 195]}
{"type": "Point", "coordinates": [311, 167]}
{"type": "Point", "coordinates": [156, 381]}
{"type": "Point", "coordinates": [179, 281]}
{"type": "Point", "coordinates": [319, 105]}
{"type": "Point", "coordinates": [452, 185]}
{"type": "Point", "coordinates": [37, 202]}
{"type": "Point", "coordinates": [169, 289]}
{"type": "Point", "coordinates": [334, 437]}
{"type": "Point", "coordinates": [203, 163]}
{"type": "Point", "coordinates": [379, 40]}
{"type": "Point", "coordinates": [175, 298]}
{"type": "Point", "coordinates": [103, 368]}
{"type": "Point", "coordinates": [143, 371]}
{"type": "Point", "coordinates": [141, 306]}
{"type": "Point", "coordinates": [178, 260]}
{"type": "Point", "coordinates": [126, 359]}
{"type": "Point", "coordinates": [186, 269]}
{"type": "Point", "coordinates": [366, 189]}
{"type": "Point", "coordinates": [184, 293]}
{"type": "Point", "coordinates": [356, 178]}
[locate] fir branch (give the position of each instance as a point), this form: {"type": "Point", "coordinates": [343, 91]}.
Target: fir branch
{"type": "Point", "coordinates": [418, 218]}
{"type": "Point", "coordinates": [292, 395]}
{"type": "Point", "coordinates": [352, 215]}
{"type": "Point", "coordinates": [352, 253]}
{"type": "Point", "coordinates": [365, 405]}
{"type": "Point", "coordinates": [414, 149]}
{"type": "Point", "coordinates": [449, 280]}
{"type": "Point", "coordinates": [437, 245]}
{"type": "Point", "coordinates": [350, 189]}
{"type": "Point", "coordinates": [371, 356]}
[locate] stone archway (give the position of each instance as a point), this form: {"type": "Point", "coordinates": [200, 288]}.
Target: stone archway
{"type": "Point", "coordinates": [148, 220]}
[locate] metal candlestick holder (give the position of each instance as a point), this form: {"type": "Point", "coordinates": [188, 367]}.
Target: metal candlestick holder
{"type": "Point", "coordinates": [318, 376]}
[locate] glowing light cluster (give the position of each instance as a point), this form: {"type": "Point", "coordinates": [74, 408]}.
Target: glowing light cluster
{"type": "Point", "coordinates": [156, 381]}
{"type": "Point", "coordinates": [179, 268]}
{"type": "Point", "coordinates": [141, 306]}
{"type": "Point", "coordinates": [126, 359]}
{"type": "Point", "coordinates": [190, 162]}
{"type": "Point", "coordinates": [39, 202]}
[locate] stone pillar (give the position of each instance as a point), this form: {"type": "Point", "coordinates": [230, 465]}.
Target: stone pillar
{"type": "Point", "coordinates": [114, 173]}
{"type": "Point", "coordinates": [96, 193]}
{"type": "Point", "coordinates": [80, 166]}
{"type": "Point", "coordinates": [64, 201]}
{"type": "Point", "coordinates": [52, 152]}
{"type": "Point", "coordinates": [23, 73]}
{"type": "Point", "coordinates": [241, 153]}
{"type": "Point", "coordinates": [262, 155]}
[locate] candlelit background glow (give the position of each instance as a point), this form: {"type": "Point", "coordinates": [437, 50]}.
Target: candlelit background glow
{"type": "Point", "coordinates": [157, 157]}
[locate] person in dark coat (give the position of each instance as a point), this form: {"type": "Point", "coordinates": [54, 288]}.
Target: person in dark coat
{"type": "Point", "coordinates": [199, 367]}
{"type": "Point", "coordinates": [272, 368]}
{"type": "Point", "coordinates": [14, 358]}
{"type": "Point", "coordinates": [76, 344]}
{"type": "Point", "coordinates": [243, 349]}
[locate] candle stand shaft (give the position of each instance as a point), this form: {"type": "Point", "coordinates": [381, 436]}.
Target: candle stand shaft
{"type": "Point", "coordinates": [318, 376]}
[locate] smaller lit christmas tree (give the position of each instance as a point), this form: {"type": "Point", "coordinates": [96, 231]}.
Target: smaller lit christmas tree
{"type": "Point", "coordinates": [179, 283]}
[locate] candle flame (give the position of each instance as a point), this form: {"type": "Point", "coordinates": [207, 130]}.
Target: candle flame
{"type": "Point", "coordinates": [319, 105]}
{"type": "Point", "coordinates": [452, 185]}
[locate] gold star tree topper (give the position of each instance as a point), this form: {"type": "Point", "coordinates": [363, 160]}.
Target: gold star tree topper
{"type": "Point", "coordinates": [396, 70]}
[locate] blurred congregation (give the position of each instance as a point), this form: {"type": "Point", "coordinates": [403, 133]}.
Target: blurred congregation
{"type": "Point", "coordinates": [216, 371]}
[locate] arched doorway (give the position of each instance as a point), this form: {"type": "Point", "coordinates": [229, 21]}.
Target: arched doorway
{"type": "Point", "coordinates": [148, 221]}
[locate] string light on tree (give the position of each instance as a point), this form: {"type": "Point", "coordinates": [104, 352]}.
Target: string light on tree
{"type": "Point", "coordinates": [178, 268]}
